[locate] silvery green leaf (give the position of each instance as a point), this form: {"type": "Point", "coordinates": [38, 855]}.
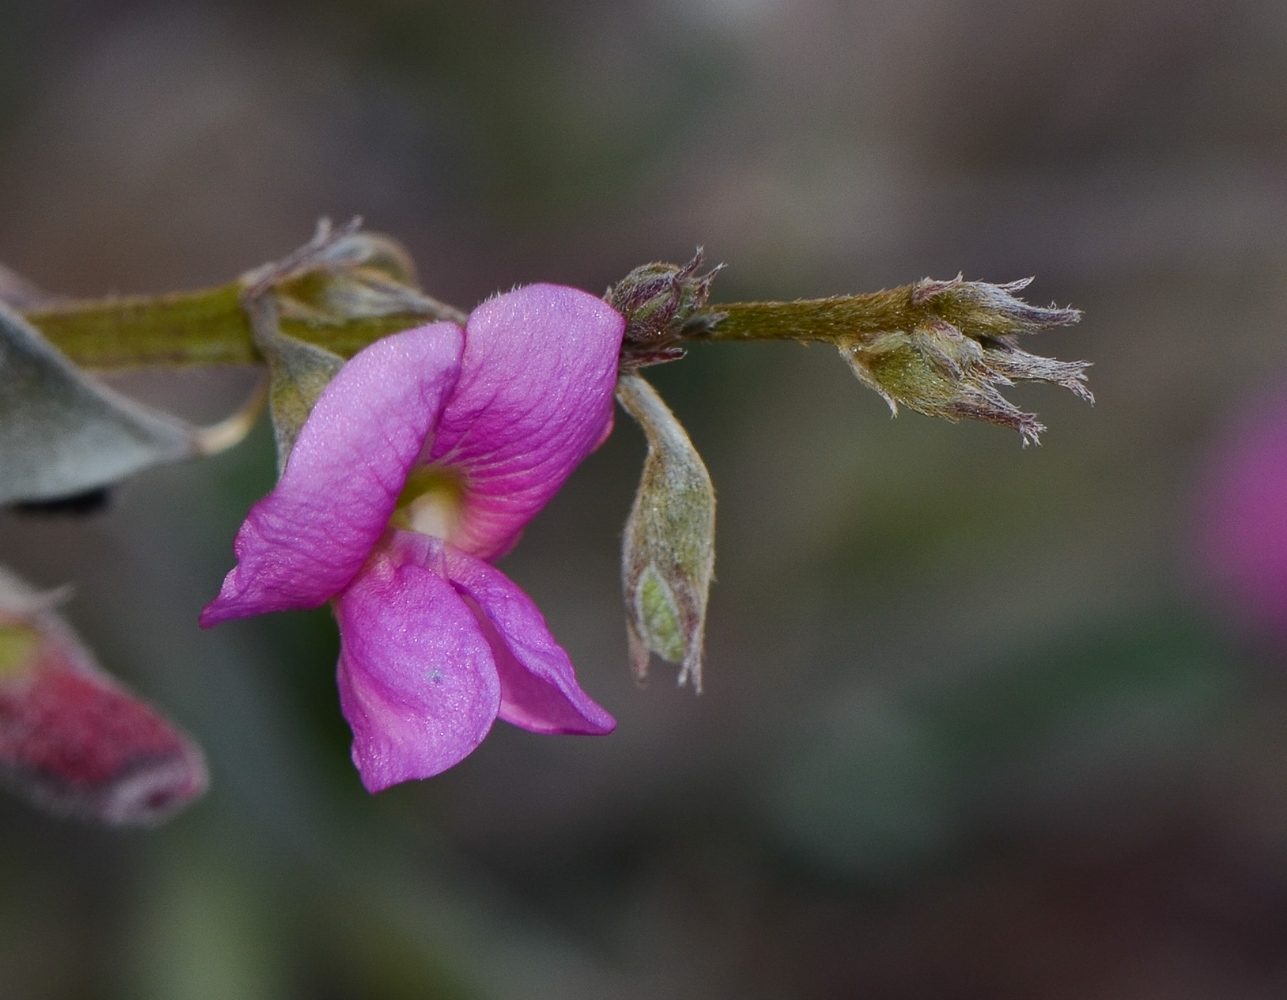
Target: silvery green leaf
{"type": "Point", "coordinates": [63, 433]}
{"type": "Point", "coordinates": [17, 291]}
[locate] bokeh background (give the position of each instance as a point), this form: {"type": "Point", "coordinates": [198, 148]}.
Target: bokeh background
{"type": "Point", "coordinates": [975, 724]}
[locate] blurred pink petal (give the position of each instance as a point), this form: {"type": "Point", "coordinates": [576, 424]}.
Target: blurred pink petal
{"type": "Point", "coordinates": [1244, 520]}
{"type": "Point", "coordinates": [74, 740]}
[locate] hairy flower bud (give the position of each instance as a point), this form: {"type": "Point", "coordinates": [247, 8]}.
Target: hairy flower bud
{"type": "Point", "coordinates": [345, 274]}
{"type": "Point", "coordinates": [957, 347]}
{"type": "Point", "coordinates": [657, 300]}
{"type": "Point", "coordinates": [668, 556]}
{"type": "Point", "coordinates": [72, 739]}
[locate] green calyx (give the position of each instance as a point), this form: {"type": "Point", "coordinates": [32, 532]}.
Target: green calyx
{"type": "Point", "coordinates": [659, 616]}
{"type": "Point", "coordinates": [668, 550]}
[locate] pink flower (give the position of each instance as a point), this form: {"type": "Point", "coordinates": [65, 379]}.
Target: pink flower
{"type": "Point", "coordinates": [1243, 523]}
{"type": "Point", "coordinates": [422, 461]}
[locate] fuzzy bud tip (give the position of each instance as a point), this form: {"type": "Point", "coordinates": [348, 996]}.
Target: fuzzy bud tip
{"type": "Point", "coordinates": [657, 300]}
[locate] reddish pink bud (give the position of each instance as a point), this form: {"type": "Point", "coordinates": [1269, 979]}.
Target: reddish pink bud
{"type": "Point", "coordinates": [74, 740]}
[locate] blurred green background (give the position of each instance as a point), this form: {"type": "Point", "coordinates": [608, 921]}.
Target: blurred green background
{"type": "Point", "coordinates": [973, 728]}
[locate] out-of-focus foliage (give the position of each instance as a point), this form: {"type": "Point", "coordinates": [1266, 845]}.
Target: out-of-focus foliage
{"type": "Point", "coordinates": [971, 725]}
{"type": "Point", "coordinates": [64, 434]}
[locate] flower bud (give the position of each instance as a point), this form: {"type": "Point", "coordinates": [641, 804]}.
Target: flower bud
{"type": "Point", "coordinates": [73, 740]}
{"type": "Point", "coordinates": [342, 275]}
{"type": "Point", "coordinates": [668, 556]}
{"type": "Point", "coordinates": [656, 300]}
{"type": "Point", "coordinates": [955, 346]}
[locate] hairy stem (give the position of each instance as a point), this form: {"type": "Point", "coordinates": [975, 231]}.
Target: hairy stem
{"type": "Point", "coordinates": [207, 327]}
{"type": "Point", "coordinates": [810, 319]}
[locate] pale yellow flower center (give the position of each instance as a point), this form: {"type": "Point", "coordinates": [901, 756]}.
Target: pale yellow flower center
{"type": "Point", "coordinates": [431, 503]}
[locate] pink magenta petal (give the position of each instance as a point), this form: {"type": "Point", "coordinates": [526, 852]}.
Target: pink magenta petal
{"type": "Point", "coordinates": [417, 679]}
{"type": "Point", "coordinates": [1245, 519]}
{"type": "Point", "coordinates": [539, 690]}
{"type": "Point", "coordinates": [306, 540]}
{"type": "Point", "coordinates": [534, 398]}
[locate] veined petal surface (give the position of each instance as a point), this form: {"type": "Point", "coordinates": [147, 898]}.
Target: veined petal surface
{"type": "Point", "coordinates": [307, 540]}
{"type": "Point", "coordinates": [539, 689]}
{"type": "Point", "coordinates": [417, 679]}
{"type": "Point", "coordinates": [534, 398]}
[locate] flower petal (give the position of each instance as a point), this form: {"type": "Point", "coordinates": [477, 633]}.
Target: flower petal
{"type": "Point", "coordinates": [539, 690]}
{"type": "Point", "coordinates": [1244, 518]}
{"type": "Point", "coordinates": [534, 398]}
{"type": "Point", "coordinates": [306, 540]}
{"type": "Point", "coordinates": [417, 680]}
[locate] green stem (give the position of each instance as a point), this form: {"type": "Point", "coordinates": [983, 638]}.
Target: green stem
{"type": "Point", "coordinates": [209, 327]}
{"type": "Point", "coordinates": [811, 319]}
{"type": "Point", "coordinates": [183, 329]}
